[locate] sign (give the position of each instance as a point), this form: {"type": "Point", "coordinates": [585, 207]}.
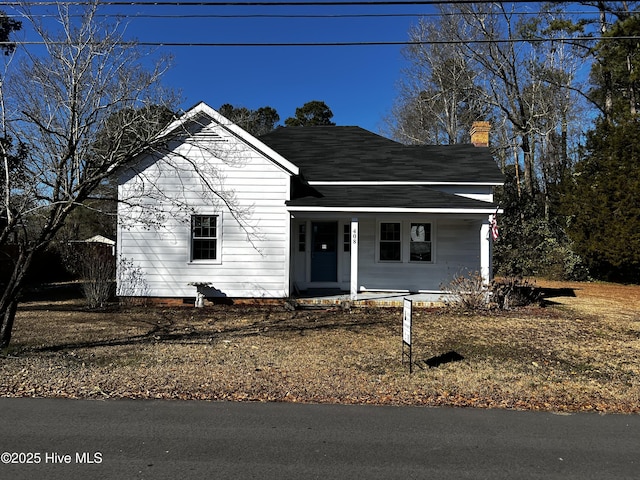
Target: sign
{"type": "Point", "coordinates": [406, 321]}
{"type": "Point", "coordinates": [406, 331]}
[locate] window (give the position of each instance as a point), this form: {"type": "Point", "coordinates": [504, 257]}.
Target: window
{"type": "Point", "coordinates": [204, 237]}
{"type": "Point", "coordinates": [390, 242]}
{"type": "Point", "coordinates": [346, 238]}
{"type": "Point", "coordinates": [302, 237]}
{"type": "Point", "coordinates": [420, 246]}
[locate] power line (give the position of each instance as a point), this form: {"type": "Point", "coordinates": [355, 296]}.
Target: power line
{"type": "Point", "coordinates": [292, 15]}
{"type": "Point", "coordinates": [339, 44]}
{"type": "Point", "coordinates": [178, 3]}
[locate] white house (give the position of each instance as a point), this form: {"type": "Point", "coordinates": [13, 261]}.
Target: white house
{"type": "Point", "coordinates": [222, 212]}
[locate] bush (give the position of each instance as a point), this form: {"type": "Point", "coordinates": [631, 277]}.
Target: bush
{"type": "Point", "coordinates": [97, 270]}
{"type": "Point", "coordinates": [95, 266]}
{"type": "Point", "coordinates": [512, 292]}
{"type": "Point", "coordinates": [132, 286]}
{"type": "Point", "coordinates": [466, 292]}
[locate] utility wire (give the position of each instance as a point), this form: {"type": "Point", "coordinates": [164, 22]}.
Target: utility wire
{"type": "Point", "coordinates": [263, 3]}
{"type": "Point", "coordinates": [292, 15]}
{"type": "Point", "coordinates": [339, 44]}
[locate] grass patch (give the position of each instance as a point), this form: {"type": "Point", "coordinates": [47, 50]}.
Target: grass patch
{"type": "Point", "coordinates": [581, 352]}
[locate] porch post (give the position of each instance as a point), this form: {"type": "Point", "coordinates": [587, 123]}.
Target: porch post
{"type": "Point", "coordinates": [354, 258]}
{"type": "Point", "coordinates": [485, 252]}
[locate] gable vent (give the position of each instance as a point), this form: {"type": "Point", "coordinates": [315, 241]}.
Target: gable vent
{"type": "Point", "coordinates": [209, 136]}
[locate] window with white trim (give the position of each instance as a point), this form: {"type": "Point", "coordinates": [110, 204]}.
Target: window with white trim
{"type": "Point", "coordinates": [420, 243]}
{"type": "Point", "coordinates": [346, 237]}
{"type": "Point", "coordinates": [302, 237]}
{"type": "Point", "coordinates": [390, 242]}
{"type": "Point", "coordinates": [205, 237]}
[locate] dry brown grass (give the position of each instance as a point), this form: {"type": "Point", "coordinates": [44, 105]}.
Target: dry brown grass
{"type": "Point", "coordinates": [580, 353]}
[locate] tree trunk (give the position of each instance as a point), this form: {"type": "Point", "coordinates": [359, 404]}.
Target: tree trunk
{"type": "Point", "coordinates": [607, 81]}
{"type": "Point", "coordinates": [528, 164]}
{"type": "Point", "coordinates": [10, 296]}
{"type": "Point", "coordinates": [7, 317]}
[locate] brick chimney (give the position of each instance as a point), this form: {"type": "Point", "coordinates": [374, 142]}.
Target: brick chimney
{"type": "Point", "coordinates": [480, 134]}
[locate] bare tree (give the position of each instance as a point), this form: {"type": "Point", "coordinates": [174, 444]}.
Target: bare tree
{"type": "Point", "coordinates": [90, 109]}
{"type": "Point", "coordinates": [60, 104]}
{"type": "Point", "coordinates": [438, 98]}
{"type": "Point", "coordinates": [484, 61]}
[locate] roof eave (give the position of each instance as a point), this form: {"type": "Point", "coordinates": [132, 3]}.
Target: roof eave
{"type": "Point", "coordinates": [431, 210]}
{"type": "Point", "coordinates": [385, 182]}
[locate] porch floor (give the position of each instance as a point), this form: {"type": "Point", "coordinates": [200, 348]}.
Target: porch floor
{"type": "Point", "coordinates": [368, 299]}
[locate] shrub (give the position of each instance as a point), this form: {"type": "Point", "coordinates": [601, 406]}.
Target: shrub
{"type": "Point", "coordinates": [132, 285]}
{"type": "Point", "coordinates": [466, 292]}
{"type": "Point", "coordinates": [97, 269]}
{"type": "Point", "coordinates": [514, 291]}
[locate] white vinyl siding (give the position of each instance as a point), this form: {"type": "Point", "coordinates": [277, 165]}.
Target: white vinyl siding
{"type": "Point", "coordinates": [455, 248]}
{"type": "Point", "coordinates": [253, 237]}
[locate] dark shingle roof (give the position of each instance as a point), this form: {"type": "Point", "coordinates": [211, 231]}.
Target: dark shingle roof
{"type": "Point", "coordinates": [391, 196]}
{"type": "Point", "coordinates": [334, 153]}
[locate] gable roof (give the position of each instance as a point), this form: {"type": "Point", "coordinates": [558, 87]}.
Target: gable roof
{"type": "Point", "coordinates": [201, 116]}
{"type": "Point", "coordinates": [352, 154]}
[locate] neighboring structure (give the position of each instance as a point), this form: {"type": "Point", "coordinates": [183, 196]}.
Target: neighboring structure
{"type": "Point", "coordinates": [301, 208]}
{"type": "Point", "coordinates": [100, 240]}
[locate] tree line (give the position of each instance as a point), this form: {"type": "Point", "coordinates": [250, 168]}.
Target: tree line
{"type": "Point", "coordinates": [265, 119]}
{"type": "Point", "coordinates": [561, 93]}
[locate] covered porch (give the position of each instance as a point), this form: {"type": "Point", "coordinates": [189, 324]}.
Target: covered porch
{"type": "Point", "coordinates": [381, 257]}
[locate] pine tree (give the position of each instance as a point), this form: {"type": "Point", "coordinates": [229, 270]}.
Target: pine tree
{"type": "Point", "coordinates": [604, 202]}
{"type": "Point", "coordinates": [603, 196]}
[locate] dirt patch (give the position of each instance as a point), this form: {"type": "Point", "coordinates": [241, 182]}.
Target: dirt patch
{"type": "Point", "coordinates": [581, 352]}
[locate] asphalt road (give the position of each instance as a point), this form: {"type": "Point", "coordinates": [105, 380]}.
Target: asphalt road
{"type": "Point", "coordinates": [120, 439]}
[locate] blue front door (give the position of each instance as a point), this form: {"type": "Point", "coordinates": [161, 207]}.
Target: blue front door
{"type": "Point", "coordinates": [324, 252]}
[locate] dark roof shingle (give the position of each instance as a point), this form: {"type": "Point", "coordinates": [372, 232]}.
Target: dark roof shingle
{"type": "Point", "coordinates": [387, 196]}
{"type": "Point", "coordinates": [334, 153]}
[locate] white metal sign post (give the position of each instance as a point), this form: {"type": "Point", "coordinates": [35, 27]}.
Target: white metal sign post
{"type": "Point", "coordinates": [406, 332]}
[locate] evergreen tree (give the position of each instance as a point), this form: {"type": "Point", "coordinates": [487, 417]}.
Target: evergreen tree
{"type": "Point", "coordinates": [603, 202]}
{"type": "Point", "coordinates": [532, 239]}
{"type": "Point", "coordinates": [311, 114]}
{"type": "Point", "coordinates": [603, 197]}
{"type": "Point", "coordinates": [7, 27]}
{"type": "Point", "coordinates": [256, 122]}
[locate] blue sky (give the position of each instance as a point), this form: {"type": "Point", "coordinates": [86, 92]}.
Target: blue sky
{"type": "Point", "coordinates": [357, 82]}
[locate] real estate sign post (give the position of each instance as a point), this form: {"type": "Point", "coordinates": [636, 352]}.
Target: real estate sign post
{"type": "Point", "coordinates": [406, 332]}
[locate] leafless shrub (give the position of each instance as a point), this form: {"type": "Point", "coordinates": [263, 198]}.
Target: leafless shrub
{"type": "Point", "coordinates": [94, 265]}
{"type": "Point", "coordinates": [466, 292]}
{"type": "Point", "coordinates": [98, 271]}
{"type": "Point", "coordinates": [132, 286]}
{"type": "Point", "coordinates": [514, 291]}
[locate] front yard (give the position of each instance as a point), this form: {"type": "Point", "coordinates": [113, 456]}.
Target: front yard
{"type": "Point", "coordinates": [577, 353]}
